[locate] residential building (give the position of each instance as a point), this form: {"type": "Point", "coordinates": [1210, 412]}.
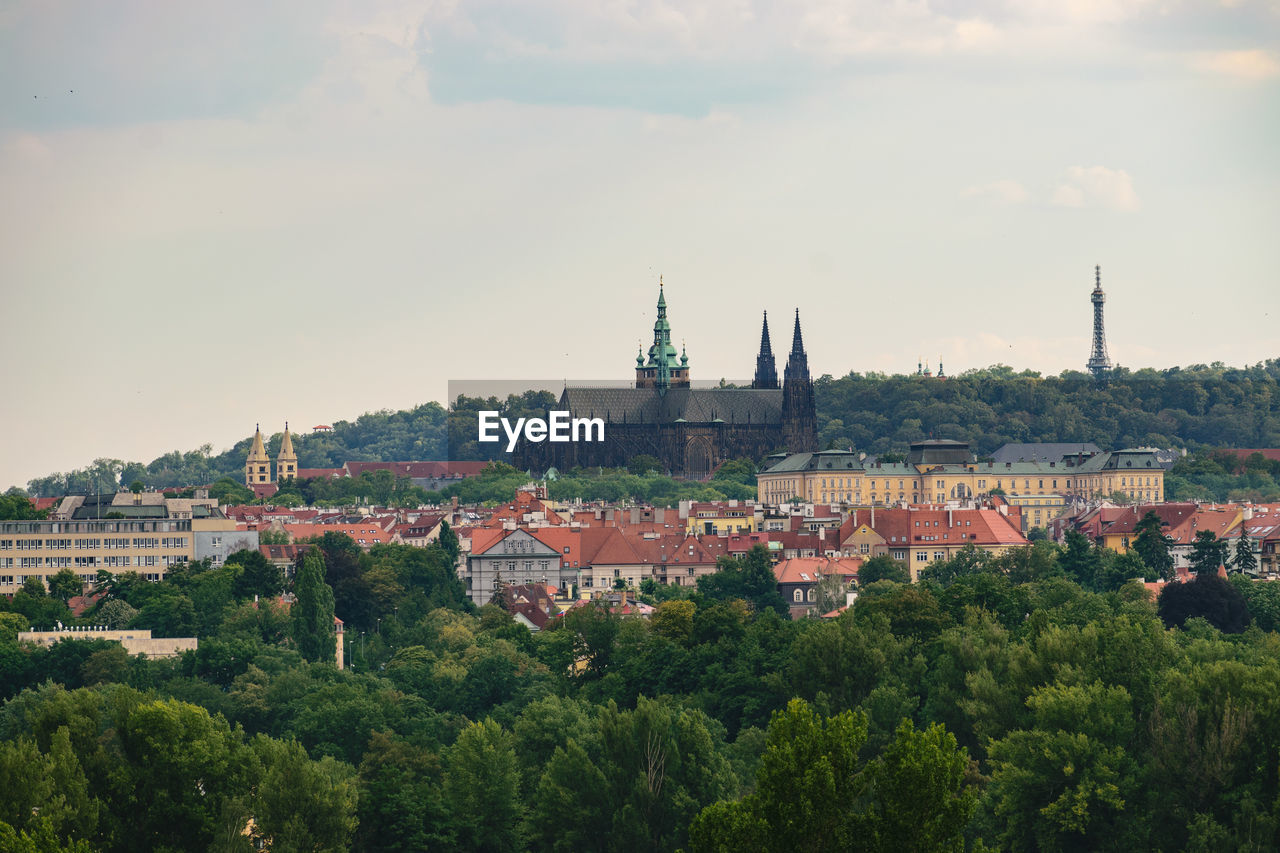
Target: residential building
{"type": "Point", "coordinates": [719, 518]}
{"type": "Point", "coordinates": [145, 533]}
{"type": "Point", "coordinates": [798, 580]}
{"type": "Point", "coordinates": [923, 535]}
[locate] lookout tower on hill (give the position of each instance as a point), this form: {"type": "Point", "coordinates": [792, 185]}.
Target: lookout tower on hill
{"type": "Point", "coordinates": [1099, 362]}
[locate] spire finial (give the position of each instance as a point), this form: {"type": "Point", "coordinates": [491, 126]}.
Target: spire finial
{"type": "Point", "coordinates": [797, 343]}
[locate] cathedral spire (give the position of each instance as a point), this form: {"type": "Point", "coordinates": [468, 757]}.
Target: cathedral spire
{"type": "Point", "coordinates": [665, 367]}
{"type": "Point", "coordinates": [799, 418]}
{"type": "Point", "coordinates": [797, 344]}
{"type": "Point", "coordinates": [766, 367]}
{"type": "Point", "coordinates": [797, 360]}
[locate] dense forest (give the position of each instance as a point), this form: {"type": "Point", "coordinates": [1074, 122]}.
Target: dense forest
{"type": "Point", "coordinates": [1035, 700]}
{"type": "Point", "coordinates": [1198, 408]}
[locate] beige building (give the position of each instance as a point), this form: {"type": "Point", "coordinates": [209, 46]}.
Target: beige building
{"type": "Point", "coordinates": [941, 471]}
{"type": "Point", "coordinates": [257, 467]}
{"type": "Point", "coordinates": [144, 533]}
{"type": "Point", "coordinates": [137, 641]}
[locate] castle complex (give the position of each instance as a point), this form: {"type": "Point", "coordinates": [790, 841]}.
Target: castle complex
{"type": "Point", "coordinates": [690, 430]}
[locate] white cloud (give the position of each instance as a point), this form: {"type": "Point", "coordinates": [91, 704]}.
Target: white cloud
{"type": "Point", "coordinates": [1097, 186]}
{"type": "Point", "coordinates": [1003, 191]}
{"type": "Point", "coordinates": [1243, 64]}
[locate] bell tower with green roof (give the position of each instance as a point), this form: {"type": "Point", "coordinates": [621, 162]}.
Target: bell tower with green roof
{"type": "Point", "coordinates": [663, 369]}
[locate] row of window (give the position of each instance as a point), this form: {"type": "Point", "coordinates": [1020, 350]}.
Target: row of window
{"type": "Point", "coordinates": [110, 543]}
{"type": "Point", "coordinates": [91, 562]}
{"type": "Point", "coordinates": [171, 526]}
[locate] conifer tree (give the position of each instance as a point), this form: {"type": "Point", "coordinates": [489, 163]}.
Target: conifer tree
{"type": "Point", "coordinates": [313, 629]}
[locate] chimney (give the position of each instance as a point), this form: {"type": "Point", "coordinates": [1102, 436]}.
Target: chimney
{"type": "Point", "coordinates": [950, 522]}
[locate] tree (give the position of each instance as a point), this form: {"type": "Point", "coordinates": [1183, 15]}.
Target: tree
{"type": "Point", "coordinates": [115, 613]}
{"type": "Point", "coordinates": [806, 783]}
{"type": "Point", "coordinates": [448, 542]}
{"type": "Point", "coordinates": [919, 799]}
{"type": "Point", "coordinates": [1080, 561]}
{"type": "Point", "coordinates": [11, 624]}
{"type": "Point", "coordinates": [270, 536]}
{"type": "Point", "coordinates": [1245, 560]}
{"type": "Point", "coordinates": [19, 507]}
{"type": "Point", "coordinates": [1208, 553]}
{"type": "Point", "coordinates": [1210, 597]}
{"type": "Point", "coordinates": [831, 592]}
{"type": "Point", "coordinates": [643, 463]}
{"type": "Point", "coordinates": [1067, 782]}
{"type": "Point", "coordinates": [673, 619]}
{"type": "Point", "coordinates": [883, 568]}
{"type": "Point", "coordinates": [65, 585]}
{"type": "Point", "coordinates": [258, 576]}
{"type": "Point", "coordinates": [1152, 545]}
{"type": "Point", "coordinates": [482, 788]}
{"type": "Point", "coordinates": [749, 577]}
{"type": "Point", "coordinates": [312, 617]}
{"type": "Point", "coordinates": [230, 491]}
{"type": "Point", "coordinates": [303, 805]}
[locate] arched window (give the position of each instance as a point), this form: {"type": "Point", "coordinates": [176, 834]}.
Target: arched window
{"type": "Point", "coordinates": [811, 595]}
{"type": "Point", "coordinates": [799, 595]}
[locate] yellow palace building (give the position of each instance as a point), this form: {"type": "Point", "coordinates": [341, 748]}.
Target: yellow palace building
{"type": "Point", "coordinates": [940, 471]}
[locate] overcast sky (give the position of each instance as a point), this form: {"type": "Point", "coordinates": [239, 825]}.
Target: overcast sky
{"type": "Point", "coordinates": [215, 214]}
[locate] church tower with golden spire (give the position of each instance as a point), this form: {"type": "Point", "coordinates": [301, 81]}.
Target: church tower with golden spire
{"type": "Point", "coordinates": [257, 468]}
{"type": "Point", "coordinates": [286, 459]}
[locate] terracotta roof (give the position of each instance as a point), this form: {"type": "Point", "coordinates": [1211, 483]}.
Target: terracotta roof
{"type": "Point", "coordinates": [561, 538]}
{"type": "Point", "coordinates": [523, 504]}
{"type": "Point", "coordinates": [420, 470]}
{"type": "Point", "coordinates": [805, 570]}
{"type": "Point", "coordinates": [283, 553]}
{"type": "Point", "coordinates": [363, 534]}
{"type": "Point", "coordinates": [607, 546]}
{"type": "Point", "coordinates": [312, 473]}
{"type": "Point", "coordinates": [984, 527]}
{"type": "Point", "coordinates": [78, 604]}
{"type": "Point", "coordinates": [1170, 514]}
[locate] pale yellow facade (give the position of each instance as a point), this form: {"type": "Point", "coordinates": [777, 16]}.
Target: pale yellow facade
{"type": "Point", "coordinates": [136, 641]}
{"type": "Point", "coordinates": [721, 520]}
{"type": "Point", "coordinates": [149, 547]}
{"type": "Point", "coordinates": [837, 477]}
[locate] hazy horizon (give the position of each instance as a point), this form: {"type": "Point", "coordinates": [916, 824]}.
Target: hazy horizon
{"type": "Point", "coordinates": [226, 215]}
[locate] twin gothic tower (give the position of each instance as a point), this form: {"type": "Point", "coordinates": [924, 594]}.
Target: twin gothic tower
{"type": "Point", "coordinates": [257, 468]}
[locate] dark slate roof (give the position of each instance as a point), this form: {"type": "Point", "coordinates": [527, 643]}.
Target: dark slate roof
{"type": "Point", "coordinates": [841, 460]}
{"type": "Point", "coordinates": [694, 405]}
{"type": "Point", "coordinates": [1043, 451]}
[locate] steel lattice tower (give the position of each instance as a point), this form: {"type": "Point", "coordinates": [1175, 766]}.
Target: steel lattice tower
{"type": "Point", "coordinates": [1099, 362]}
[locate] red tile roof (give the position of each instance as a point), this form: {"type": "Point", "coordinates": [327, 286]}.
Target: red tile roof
{"type": "Point", "coordinates": [363, 534]}
{"type": "Point", "coordinates": [805, 570]}
{"type": "Point", "coordinates": [313, 473]}
{"type": "Point", "coordinates": [420, 470]}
